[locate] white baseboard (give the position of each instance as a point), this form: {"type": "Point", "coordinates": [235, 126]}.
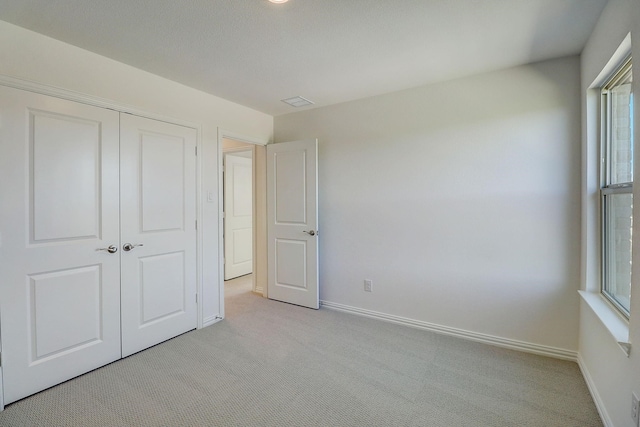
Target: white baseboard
{"type": "Point", "coordinates": [208, 321]}
{"type": "Point", "coordinates": [259, 290]}
{"type": "Point", "coordinates": [542, 350]}
{"type": "Point", "coordinates": [594, 393]}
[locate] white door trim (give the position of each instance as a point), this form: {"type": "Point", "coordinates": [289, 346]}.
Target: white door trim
{"type": "Point", "coordinates": [82, 98]}
{"type": "Point", "coordinates": [223, 133]}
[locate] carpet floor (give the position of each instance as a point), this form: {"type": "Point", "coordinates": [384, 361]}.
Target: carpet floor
{"type": "Point", "coordinates": [274, 364]}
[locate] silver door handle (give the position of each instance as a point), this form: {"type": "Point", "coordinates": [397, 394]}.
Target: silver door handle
{"type": "Point", "coordinates": [111, 249]}
{"type": "Point", "coordinates": [128, 246]}
{"type": "Point", "coordinates": [310, 233]}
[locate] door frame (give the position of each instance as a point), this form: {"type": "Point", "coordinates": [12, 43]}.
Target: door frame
{"type": "Point", "coordinates": [258, 171]}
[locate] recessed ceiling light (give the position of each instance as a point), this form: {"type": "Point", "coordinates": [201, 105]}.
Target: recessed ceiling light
{"type": "Point", "coordinates": [278, 1]}
{"type": "Point", "coordinates": [297, 101]}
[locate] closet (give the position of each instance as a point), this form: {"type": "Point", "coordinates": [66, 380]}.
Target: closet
{"type": "Point", "coordinates": [97, 237]}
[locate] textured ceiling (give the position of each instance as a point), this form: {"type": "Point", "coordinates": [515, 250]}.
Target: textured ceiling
{"type": "Point", "coordinates": [256, 53]}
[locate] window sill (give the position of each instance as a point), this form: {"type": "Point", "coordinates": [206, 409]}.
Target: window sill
{"type": "Point", "coordinates": [612, 321]}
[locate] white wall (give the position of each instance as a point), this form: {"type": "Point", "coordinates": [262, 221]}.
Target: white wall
{"type": "Point", "coordinates": [613, 375]}
{"type": "Point", "coordinates": [33, 57]}
{"type": "Point", "coordinates": [461, 201]}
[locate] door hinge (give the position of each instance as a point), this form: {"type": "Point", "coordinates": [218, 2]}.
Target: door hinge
{"type": "Point", "coordinates": [196, 224]}
{"type": "Point", "coordinates": [196, 298]}
{"type": "Point", "coordinates": [196, 151]}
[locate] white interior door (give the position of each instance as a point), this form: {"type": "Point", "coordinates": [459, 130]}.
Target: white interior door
{"type": "Point", "coordinates": [158, 231]}
{"type": "Point", "coordinates": [60, 291]}
{"type": "Point", "coordinates": [238, 215]}
{"type": "Point", "coordinates": [292, 215]}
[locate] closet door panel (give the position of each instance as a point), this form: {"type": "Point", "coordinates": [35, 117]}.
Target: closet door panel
{"type": "Point", "coordinates": [158, 231]}
{"type": "Point", "coordinates": [60, 291]}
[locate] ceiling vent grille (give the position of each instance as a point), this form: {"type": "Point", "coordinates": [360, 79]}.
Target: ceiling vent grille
{"type": "Point", "coordinates": [297, 101]}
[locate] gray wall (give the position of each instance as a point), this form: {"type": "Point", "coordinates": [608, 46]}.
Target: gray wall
{"type": "Point", "coordinates": [460, 200]}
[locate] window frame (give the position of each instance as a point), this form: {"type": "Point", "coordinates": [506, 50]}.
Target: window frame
{"type": "Point", "coordinates": [606, 189]}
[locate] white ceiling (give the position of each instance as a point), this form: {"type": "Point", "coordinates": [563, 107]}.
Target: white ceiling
{"type": "Point", "coordinates": [256, 53]}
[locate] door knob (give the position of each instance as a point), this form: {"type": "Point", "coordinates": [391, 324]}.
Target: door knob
{"type": "Point", "coordinates": [310, 233]}
{"type": "Point", "coordinates": [128, 246]}
{"type": "Point", "coordinates": [111, 249]}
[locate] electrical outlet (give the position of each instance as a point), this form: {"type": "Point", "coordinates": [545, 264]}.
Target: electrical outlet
{"type": "Point", "coordinates": [635, 409]}
{"type": "Point", "coordinates": [368, 286]}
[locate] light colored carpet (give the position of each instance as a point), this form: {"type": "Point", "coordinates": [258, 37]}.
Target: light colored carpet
{"type": "Point", "coordinates": [274, 364]}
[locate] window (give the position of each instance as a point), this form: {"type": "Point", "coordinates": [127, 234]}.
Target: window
{"type": "Point", "coordinates": [617, 186]}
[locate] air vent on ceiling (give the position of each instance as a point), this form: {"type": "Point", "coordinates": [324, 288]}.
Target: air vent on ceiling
{"type": "Point", "coordinates": [297, 101]}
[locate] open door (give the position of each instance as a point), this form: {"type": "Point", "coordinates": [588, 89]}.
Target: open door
{"type": "Point", "coordinates": [292, 215]}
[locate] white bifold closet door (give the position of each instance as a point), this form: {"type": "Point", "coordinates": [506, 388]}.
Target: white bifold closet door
{"type": "Point", "coordinates": [158, 231]}
{"type": "Point", "coordinates": [64, 309]}
{"type": "Point", "coordinates": [60, 292]}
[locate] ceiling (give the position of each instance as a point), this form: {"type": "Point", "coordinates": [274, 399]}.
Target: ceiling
{"type": "Point", "coordinates": [256, 53]}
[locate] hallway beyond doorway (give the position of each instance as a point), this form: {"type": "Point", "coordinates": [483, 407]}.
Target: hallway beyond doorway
{"type": "Point", "coordinates": [239, 285]}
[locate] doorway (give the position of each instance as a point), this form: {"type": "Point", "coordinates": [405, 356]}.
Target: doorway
{"type": "Point", "coordinates": [243, 245]}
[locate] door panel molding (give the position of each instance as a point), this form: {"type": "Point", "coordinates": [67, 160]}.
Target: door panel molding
{"type": "Point", "coordinates": [56, 211]}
